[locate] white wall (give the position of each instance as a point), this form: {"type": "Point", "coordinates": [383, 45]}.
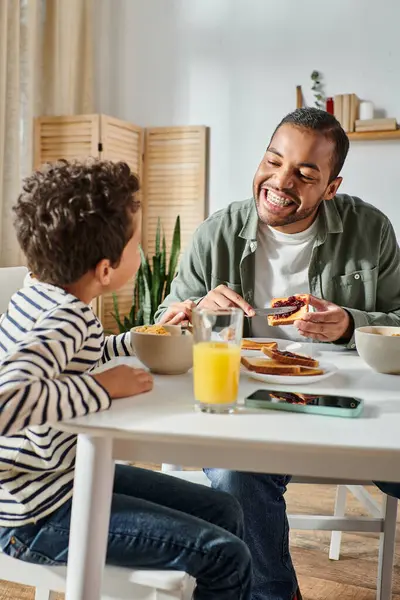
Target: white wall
{"type": "Point", "coordinates": [233, 65]}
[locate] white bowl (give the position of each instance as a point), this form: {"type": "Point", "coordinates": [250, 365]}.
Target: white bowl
{"type": "Point", "coordinates": [165, 354]}
{"type": "Point", "coordinates": [379, 347]}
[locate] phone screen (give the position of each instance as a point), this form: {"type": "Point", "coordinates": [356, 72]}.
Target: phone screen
{"type": "Point", "coordinates": [309, 399]}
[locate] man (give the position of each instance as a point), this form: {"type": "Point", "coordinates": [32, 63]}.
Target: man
{"type": "Point", "coordinates": [296, 235]}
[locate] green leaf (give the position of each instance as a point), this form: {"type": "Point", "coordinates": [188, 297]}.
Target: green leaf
{"type": "Point", "coordinates": [127, 324]}
{"type": "Point", "coordinates": [163, 269]}
{"type": "Point", "coordinates": [147, 313]}
{"type": "Point", "coordinates": [145, 265]}
{"type": "Point", "coordinates": [139, 318]}
{"type": "Point", "coordinates": [116, 314]}
{"type": "Point", "coordinates": [163, 259]}
{"type": "Point", "coordinates": [140, 288]}
{"type": "Point", "coordinates": [155, 290]}
{"type": "Point", "coordinates": [134, 300]}
{"type": "Point", "coordinates": [174, 256]}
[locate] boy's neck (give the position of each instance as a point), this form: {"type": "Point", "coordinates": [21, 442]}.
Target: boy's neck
{"type": "Point", "coordinates": [85, 289]}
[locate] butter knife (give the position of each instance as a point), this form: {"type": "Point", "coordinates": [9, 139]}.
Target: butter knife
{"type": "Point", "coordinates": [281, 310]}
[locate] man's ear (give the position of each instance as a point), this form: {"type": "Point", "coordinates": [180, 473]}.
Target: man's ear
{"type": "Point", "coordinates": [102, 272]}
{"type": "Point", "coordinates": [332, 188]}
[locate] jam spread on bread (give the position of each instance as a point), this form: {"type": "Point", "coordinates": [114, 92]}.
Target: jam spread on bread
{"type": "Point", "coordinates": [289, 354]}
{"type": "Point", "coordinates": [294, 301]}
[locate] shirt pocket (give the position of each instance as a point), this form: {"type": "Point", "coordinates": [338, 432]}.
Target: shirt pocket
{"type": "Point", "coordinates": [216, 281]}
{"type": "Point", "coordinates": [357, 289]}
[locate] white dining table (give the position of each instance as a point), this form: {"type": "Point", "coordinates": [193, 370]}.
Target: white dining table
{"type": "Point", "coordinates": [163, 426]}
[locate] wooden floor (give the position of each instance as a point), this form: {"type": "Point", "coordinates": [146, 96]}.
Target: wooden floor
{"type": "Point", "coordinates": [353, 577]}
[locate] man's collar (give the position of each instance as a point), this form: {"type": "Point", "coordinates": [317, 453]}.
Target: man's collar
{"type": "Point", "coordinates": [329, 221]}
{"type": "Point", "coordinates": [331, 216]}
{"type": "Point", "coordinates": [249, 229]}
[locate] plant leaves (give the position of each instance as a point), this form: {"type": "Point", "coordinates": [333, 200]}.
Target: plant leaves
{"type": "Point", "coordinates": [116, 313]}
{"type": "Point", "coordinates": [152, 282]}
{"type": "Point", "coordinates": [127, 323]}
{"type": "Point", "coordinates": [139, 318]}
{"type": "Point", "coordinates": [174, 256]}
{"type": "Point", "coordinates": [145, 265]}
{"type": "Point", "coordinates": [157, 284]}
{"type": "Point", "coordinates": [158, 232]}
{"type": "Point", "coordinates": [147, 313]}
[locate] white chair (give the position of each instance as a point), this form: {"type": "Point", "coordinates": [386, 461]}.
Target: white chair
{"type": "Point", "coordinates": [118, 583]}
{"type": "Point", "coordinates": [11, 280]}
{"type": "Point", "coordinates": [382, 520]}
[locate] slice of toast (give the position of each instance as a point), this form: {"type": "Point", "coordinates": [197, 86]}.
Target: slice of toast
{"type": "Point", "coordinates": [306, 372]}
{"type": "Point", "coordinates": [254, 345]}
{"type": "Point", "coordinates": [269, 367]}
{"type": "Point", "coordinates": [301, 301]}
{"type": "Point", "coordinates": [290, 358]}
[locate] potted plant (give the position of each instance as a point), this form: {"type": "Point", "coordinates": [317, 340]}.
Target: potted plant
{"type": "Point", "coordinates": [152, 282]}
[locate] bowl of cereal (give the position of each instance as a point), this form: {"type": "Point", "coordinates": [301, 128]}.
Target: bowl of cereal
{"type": "Point", "coordinates": [163, 349]}
{"type": "Point", "coordinates": [379, 347]}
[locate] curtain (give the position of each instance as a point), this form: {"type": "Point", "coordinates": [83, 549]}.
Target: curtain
{"type": "Point", "coordinates": [46, 68]}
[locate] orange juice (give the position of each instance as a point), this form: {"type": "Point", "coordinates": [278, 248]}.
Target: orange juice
{"type": "Point", "coordinates": [216, 369]}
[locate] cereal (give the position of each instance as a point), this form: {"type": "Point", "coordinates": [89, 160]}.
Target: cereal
{"type": "Point", "coordinates": [152, 329]}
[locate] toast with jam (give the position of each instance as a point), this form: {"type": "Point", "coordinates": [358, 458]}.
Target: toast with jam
{"type": "Point", "coordinates": [290, 358]}
{"type": "Point", "coordinates": [300, 302]}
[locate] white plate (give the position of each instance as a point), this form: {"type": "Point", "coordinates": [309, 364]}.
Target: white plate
{"type": "Point", "coordinates": [308, 348]}
{"type": "Point", "coordinates": [282, 345]}
{"type": "Point", "coordinates": [314, 349]}
{"type": "Point", "coordinates": [329, 369]}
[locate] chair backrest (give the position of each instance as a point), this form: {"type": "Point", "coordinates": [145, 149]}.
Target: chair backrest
{"type": "Point", "coordinates": [11, 280]}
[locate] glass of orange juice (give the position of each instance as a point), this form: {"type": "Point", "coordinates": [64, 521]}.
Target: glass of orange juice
{"type": "Point", "coordinates": [216, 358]}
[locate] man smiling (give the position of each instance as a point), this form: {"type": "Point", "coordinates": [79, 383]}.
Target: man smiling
{"type": "Point", "coordinates": [296, 235]}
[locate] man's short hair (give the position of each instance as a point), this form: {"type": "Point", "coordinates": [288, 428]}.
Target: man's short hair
{"type": "Point", "coordinates": [318, 120]}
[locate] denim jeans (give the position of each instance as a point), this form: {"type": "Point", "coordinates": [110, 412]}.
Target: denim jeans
{"type": "Point", "coordinates": [157, 522]}
{"type": "Point", "coordinates": [266, 528]}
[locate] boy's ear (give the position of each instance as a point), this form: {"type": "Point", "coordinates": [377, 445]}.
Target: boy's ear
{"type": "Point", "coordinates": [103, 272]}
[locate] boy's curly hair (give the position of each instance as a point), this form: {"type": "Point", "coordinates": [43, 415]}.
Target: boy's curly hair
{"type": "Point", "coordinates": [71, 215]}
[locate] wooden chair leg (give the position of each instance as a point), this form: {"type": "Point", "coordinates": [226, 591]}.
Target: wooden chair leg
{"type": "Point", "coordinates": [386, 549]}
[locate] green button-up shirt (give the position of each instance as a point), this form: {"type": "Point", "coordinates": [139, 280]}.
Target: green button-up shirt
{"type": "Point", "coordinates": [355, 261]}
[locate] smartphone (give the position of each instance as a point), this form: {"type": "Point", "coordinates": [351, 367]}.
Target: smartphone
{"type": "Point", "coordinates": [317, 404]}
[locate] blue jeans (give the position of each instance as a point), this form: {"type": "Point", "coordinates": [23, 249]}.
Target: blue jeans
{"type": "Point", "coordinates": [157, 522]}
{"type": "Point", "coordinates": [266, 528]}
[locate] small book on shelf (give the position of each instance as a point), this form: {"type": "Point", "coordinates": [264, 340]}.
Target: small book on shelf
{"type": "Point", "coordinates": [346, 108]}
{"type": "Point", "coordinates": [388, 124]}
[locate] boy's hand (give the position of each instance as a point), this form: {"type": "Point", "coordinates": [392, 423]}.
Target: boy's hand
{"type": "Point", "coordinates": [179, 312]}
{"type": "Point", "coordinates": [123, 381]}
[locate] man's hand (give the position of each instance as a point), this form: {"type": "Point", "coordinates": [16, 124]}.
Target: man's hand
{"type": "Point", "coordinates": [179, 312]}
{"type": "Point", "coordinates": [224, 297]}
{"type": "Point", "coordinates": [123, 381]}
{"type": "Point", "coordinates": [328, 324]}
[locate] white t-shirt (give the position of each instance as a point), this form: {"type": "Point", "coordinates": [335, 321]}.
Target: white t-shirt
{"type": "Point", "coordinates": [281, 270]}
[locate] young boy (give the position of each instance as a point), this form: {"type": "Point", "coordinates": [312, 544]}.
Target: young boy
{"type": "Point", "coordinates": [79, 227]}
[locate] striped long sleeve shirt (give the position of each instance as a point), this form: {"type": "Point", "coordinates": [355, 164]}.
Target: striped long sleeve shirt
{"type": "Point", "coordinates": [49, 341]}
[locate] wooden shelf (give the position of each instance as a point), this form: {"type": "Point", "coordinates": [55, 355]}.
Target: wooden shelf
{"type": "Point", "coordinates": [362, 136]}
